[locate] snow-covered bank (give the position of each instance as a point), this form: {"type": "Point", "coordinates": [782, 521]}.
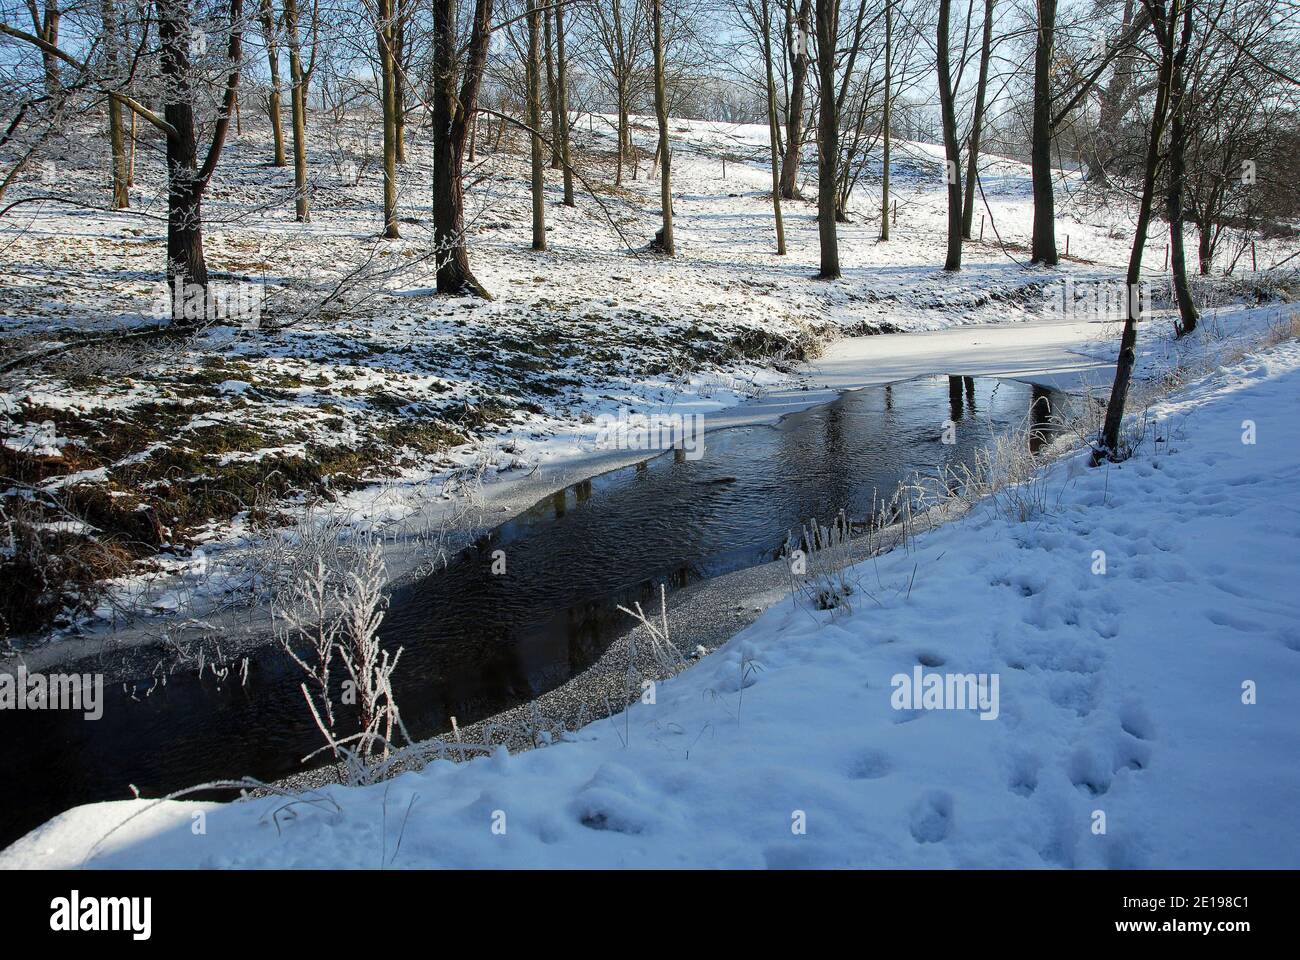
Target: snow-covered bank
{"type": "Point", "coordinates": [1120, 694]}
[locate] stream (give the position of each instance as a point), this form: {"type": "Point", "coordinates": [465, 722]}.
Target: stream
{"type": "Point", "coordinates": [476, 642]}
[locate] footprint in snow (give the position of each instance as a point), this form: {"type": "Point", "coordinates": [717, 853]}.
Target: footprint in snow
{"type": "Point", "coordinates": [1136, 722]}
{"type": "Point", "coordinates": [1024, 775]}
{"type": "Point", "coordinates": [1089, 771]}
{"type": "Point", "coordinates": [1222, 618]}
{"type": "Point", "coordinates": [931, 817]}
{"type": "Point", "coordinates": [1131, 754]}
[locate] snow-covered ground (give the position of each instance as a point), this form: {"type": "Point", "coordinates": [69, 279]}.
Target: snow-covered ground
{"type": "Point", "coordinates": [1143, 632]}
{"type": "Point", "coordinates": [1119, 693]}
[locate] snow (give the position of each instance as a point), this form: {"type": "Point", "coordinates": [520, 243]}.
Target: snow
{"type": "Point", "coordinates": [1122, 694]}
{"type": "Point", "coordinates": [1117, 694]}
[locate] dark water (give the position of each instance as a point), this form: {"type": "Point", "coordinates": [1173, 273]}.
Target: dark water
{"type": "Point", "coordinates": [476, 642]}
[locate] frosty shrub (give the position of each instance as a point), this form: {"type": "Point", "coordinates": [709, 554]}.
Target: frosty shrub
{"type": "Point", "coordinates": [330, 616]}
{"type": "Point", "coordinates": [1007, 476]}
{"type": "Point", "coordinates": [819, 563]}
{"type": "Point", "coordinates": [664, 659]}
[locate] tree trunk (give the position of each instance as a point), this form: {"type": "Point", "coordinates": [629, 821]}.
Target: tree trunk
{"type": "Point", "coordinates": [267, 16]}
{"type": "Point", "coordinates": [535, 123]}
{"type": "Point", "coordinates": [552, 94]}
{"type": "Point", "coordinates": [886, 119]}
{"type": "Point", "coordinates": [298, 114]}
{"type": "Point", "coordinates": [1177, 176]}
{"type": "Point", "coordinates": [1205, 247]}
{"type": "Point", "coordinates": [661, 112]}
{"type": "Point", "coordinates": [977, 122]}
{"type": "Point", "coordinates": [186, 264]}
{"type": "Point", "coordinates": [116, 137]}
{"type": "Point", "coordinates": [562, 104]}
{"type": "Point", "coordinates": [1043, 245]}
{"type": "Point", "coordinates": [622, 132]}
{"type": "Point", "coordinates": [48, 30]}
{"type": "Point", "coordinates": [798, 39]}
{"type": "Point", "coordinates": [186, 180]}
{"type": "Point", "coordinates": [117, 145]}
{"type": "Point", "coordinates": [397, 43]}
{"type": "Point", "coordinates": [388, 97]}
{"type": "Point", "coordinates": [621, 80]}
{"type": "Point", "coordinates": [453, 111]}
{"type": "Point", "coordinates": [1115, 100]}
{"type": "Point", "coordinates": [952, 150]}
{"type": "Point", "coordinates": [766, 26]}
{"type": "Point", "coordinates": [1110, 441]}
{"type": "Point", "coordinates": [828, 138]}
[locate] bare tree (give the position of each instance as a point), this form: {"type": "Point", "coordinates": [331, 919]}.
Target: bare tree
{"type": "Point", "coordinates": [1178, 106]}
{"type": "Point", "coordinates": [121, 174]}
{"type": "Point", "coordinates": [187, 181]}
{"type": "Point", "coordinates": [1239, 122]}
{"type": "Point", "coordinates": [828, 138]}
{"type": "Point", "coordinates": [661, 113]}
{"type": "Point", "coordinates": [621, 38]}
{"type": "Point", "coordinates": [1163, 21]}
{"type": "Point", "coordinates": [952, 149]}
{"type": "Point", "coordinates": [456, 81]}
{"type": "Point", "coordinates": [385, 44]}
{"type": "Point", "coordinates": [533, 76]}
{"type": "Point", "coordinates": [270, 38]}
{"type": "Point", "coordinates": [1048, 118]}
{"type": "Point", "coordinates": [1116, 98]}
{"type": "Point", "coordinates": [1043, 242]}
{"type": "Point", "coordinates": [45, 25]}
{"type": "Point", "coordinates": [886, 113]}
{"type": "Point", "coordinates": [977, 122]}
{"type": "Point", "coordinates": [552, 91]}
{"type": "Point", "coordinates": [798, 33]}
{"type": "Point", "coordinates": [401, 60]}
{"type": "Point", "coordinates": [562, 104]}
{"type": "Point", "coordinates": [300, 79]}
{"type": "Point", "coordinates": [764, 14]}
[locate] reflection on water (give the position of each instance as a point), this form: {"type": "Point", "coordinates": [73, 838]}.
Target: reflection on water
{"type": "Point", "coordinates": [476, 642]}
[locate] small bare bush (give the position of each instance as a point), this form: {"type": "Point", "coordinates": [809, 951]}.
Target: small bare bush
{"type": "Point", "coordinates": [663, 652]}
{"type": "Point", "coordinates": [663, 656]}
{"type": "Point", "coordinates": [104, 360]}
{"type": "Point", "coordinates": [819, 563]}
{"type": "Point", "coordinates": [334, 615]}
{"type": "Point", "coordinates": [52, 567]}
